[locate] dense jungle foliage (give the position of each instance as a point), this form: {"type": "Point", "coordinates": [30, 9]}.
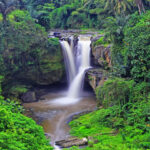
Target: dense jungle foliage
{"type": "Point", "coordinates": [28, 58]}
{"type": "Point", "coordinates": [17, 132]}
{"type": "Point", "coordinates": [124, 120]}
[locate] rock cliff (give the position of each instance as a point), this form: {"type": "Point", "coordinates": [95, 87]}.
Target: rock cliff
{"type": "Point", "coordinates": [101, 62]}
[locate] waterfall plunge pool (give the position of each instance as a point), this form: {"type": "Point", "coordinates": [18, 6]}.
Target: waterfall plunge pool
{"type": "Point", "coordinates": [54, 113]}
{"type": "Point", "coordinates": [54, 117]}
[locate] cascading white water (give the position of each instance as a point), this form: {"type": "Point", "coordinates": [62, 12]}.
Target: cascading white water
{"type": "Point", "coordinates": [57, 147]}
{"type": "Point", "coordinates": [76, 67]}
{"type": "Point", "coordinates": [69, 60]}
{"type": "Point", "coordinates": [84, 61]}
{"type": "Point", "coordinates": [80, 66]}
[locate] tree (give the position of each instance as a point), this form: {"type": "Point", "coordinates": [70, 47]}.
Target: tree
{"type": "Point", "coordinates": [140, 6]}
{"type": "Point", "coordinates": [137, 43]}
{"type": "Point", "coordinates": [6, 6]}
{"type": "Point", "coordinates": [44, 17]}
{"type": "Point", "coordinates": [117, 7]}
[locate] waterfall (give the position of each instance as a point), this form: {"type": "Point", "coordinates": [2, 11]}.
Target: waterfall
{"type": "Point", "coordinates": [83, 60]}
{"type": "Point", "coordinates": [69, 60]}
{"type": "Point", "coordinates": [76, 67]}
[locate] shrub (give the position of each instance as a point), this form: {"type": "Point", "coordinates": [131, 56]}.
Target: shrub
{"type": "Point", "coordinates": [114, 92]}
{"type": "Point", "coordinates": [19, 132]}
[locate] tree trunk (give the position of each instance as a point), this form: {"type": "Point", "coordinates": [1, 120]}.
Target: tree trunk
{"type": "Point", "coordinates": [4, 18]}
{"type": "Point", "coordinates": [140, 5]}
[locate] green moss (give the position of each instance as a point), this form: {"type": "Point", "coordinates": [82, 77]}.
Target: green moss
{"type": "Point", "coordinates": [18, 89]}
{"type": "Point", "coordinates": [101, 42]}
{"type": "Point", "coordinates": [1, 17]}
{"type": "Point", "coordinates": [54, 41]}
{"type": "Point", "coordinates": [90, 77]}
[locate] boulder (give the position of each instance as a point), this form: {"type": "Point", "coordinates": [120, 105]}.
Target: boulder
{"type": "Point", "coordinates": [96, 77]}
{"type": "Point", "coordinates": [72, 141]}
{"type": "Point", "coordinates": [29, 97]}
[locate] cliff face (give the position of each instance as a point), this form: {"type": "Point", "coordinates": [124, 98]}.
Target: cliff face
{"type": "Point", "coordinates": [101, 60]}
{"type": "Point", "coordinates": [96, 77]}
{"type": "Point", "coordinates": [47, 69]}
{"type": "Point", "coordinates": [28, 58]}
{"type": "Point", "coordinates": [40, 65]}
{"type": "Point", "coordinates": [101, 56]}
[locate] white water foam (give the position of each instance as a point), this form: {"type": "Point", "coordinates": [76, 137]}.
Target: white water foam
{"type": "Point", "coordinates": [56, 147]}
{"type": "Point", "coordinates": [75, 86]}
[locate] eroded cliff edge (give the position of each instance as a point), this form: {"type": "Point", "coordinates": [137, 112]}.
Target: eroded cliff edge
{"type": "Point", "coordinates": [100, 54]}
{"type": "Point", "coordinates": [101, 62]}
{"type": "Point", "coordinates": [41, 64]}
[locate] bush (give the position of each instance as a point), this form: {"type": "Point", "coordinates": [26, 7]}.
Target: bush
{"type": "Point", "coordinates": [114, 92]}
{"type": "Point", "coordinates": [19, 132]}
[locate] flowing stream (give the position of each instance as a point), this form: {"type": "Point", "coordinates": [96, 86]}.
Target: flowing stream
{"type": "Point", "coordinates": [58, 107]}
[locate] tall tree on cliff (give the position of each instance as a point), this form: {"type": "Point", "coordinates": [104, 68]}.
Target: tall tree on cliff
{"type": "Point", "coordinates": [140, 6]}
{"type": "Point", "coordinates": [6, 6]}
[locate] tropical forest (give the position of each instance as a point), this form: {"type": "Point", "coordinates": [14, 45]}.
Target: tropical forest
{"type": "Point", "coordinates": [74, 74]}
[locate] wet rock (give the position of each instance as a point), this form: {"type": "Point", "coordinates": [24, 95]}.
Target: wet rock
{"type": "Point", "coordinates": [65, 34]}
{"type": "Point", "coordinates": [29, 97]}
{"type": "Point", "coordinates": [57, 34]}
{"type": "Point", "coordinates": [72, 141]}
{"type": "Point", "coordinates": [97, 77]}
{"type": "Point", "coordinates": [48, 136]}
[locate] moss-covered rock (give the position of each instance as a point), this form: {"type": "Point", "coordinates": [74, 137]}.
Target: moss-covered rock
{"type": "Point", "coordinates": [27, 55]}
{"type": "Point", "coordinates": [101, 53]}
{"type": "Point", "coordinates": [45, 69]}
{"type": "Point", "coordinates": [97, 77]}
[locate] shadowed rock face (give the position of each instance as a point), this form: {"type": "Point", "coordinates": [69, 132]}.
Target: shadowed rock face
{"type": "Point", "coordinates": [102, 56]}
{"type": "Point", "coordinates": [101, 59]}
{"type": "Point", "coordinates": [43, 66]}
{"type": "Point", "coordinates": [38, 66]}
{"type": "Point", "coordinates": [48, 71]}
{"type": "Point", "coordinates": [96, 77]}
{"type": "Point", "coordinates": [29, 97]}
